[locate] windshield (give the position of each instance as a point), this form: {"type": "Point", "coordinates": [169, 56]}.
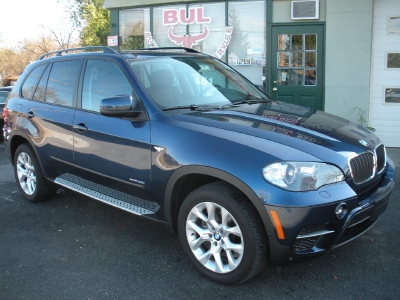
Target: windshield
{"type": "Point", "coordinates": [200, 81]}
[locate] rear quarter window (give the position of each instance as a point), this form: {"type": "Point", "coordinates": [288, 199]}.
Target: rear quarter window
{"type": "Point", "coordinates": [29, 86]}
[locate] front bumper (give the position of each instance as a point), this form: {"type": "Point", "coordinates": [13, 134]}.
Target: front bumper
{"type": "Point", "coordinates": [311, 231]}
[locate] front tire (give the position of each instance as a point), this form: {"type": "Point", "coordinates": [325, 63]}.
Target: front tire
{"type": "Point", "coordinates": [29, 176]}
{"type": "Point", "coordinates": [221, 233]}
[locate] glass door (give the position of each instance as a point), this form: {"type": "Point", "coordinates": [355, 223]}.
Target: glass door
{"type": "Point", "coordinates": [297, 65]}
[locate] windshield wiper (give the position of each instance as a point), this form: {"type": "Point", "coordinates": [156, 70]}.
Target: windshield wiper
{"type": "Point", "coordinates": [228, 105]}
{"type": "Point", "coordinates": [193, 107]}
{"type": "Point", "coordinates": [251, 101]}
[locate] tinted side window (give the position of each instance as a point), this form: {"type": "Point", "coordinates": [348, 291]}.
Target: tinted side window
{"type": "Point", "coordinates": [103, 79]}
{"type": "Point", "coordinates": [30, 83]}
{"type": "Point", "coordinates": [41, 88]}
{"type": "Point", "coordinates": [61, 82]}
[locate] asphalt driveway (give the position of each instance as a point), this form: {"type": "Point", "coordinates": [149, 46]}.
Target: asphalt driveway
{"type": "Point", "coordinates": [74, 247]}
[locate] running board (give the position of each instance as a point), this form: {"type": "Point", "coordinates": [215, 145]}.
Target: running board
{"type": "Point", "coordinates": [112, 197]}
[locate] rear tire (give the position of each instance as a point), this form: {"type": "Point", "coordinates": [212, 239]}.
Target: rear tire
{"type": "Point", "coordinates": [29, 176]}
{"type": "Point", "coordinates": [222, 234]}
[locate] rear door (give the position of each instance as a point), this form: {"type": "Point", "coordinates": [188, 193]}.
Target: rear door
{"type": "Point", "coordinates": [50, 112]}
{"type": "Point", "coordinates": [111, 151]}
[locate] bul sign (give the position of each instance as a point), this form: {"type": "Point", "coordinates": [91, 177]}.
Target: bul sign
{"type": "Point", "coordinates": [194, 15]}
{"type": "Point", "coordinates": [183, 16]}
{"type": "Point", "coordinates": [174, 16]}
{"type": "Point", "coordinates": [187, 41]}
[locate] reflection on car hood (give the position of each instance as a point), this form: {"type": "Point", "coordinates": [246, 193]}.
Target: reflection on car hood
{"type": "Point", "coordinates": [295, 126]}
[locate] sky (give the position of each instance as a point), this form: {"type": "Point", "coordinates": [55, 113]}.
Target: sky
{"type": "Point", "coordinates": [21, 19]}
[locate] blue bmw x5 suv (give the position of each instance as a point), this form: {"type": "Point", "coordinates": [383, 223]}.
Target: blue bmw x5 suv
{"type": "Point", "coordinates": [178, 137]}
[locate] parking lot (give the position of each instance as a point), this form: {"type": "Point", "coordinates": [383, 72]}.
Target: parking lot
{"type": "Point", "coordinates": [74, 247]}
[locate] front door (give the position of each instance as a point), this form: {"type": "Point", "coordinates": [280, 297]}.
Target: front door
{"type": "Point", "coordinates": [111, 151]}
{"type": "Point", "coordinates": [297, 65]}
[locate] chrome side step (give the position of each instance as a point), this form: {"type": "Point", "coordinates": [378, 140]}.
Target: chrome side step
{"type": "Point", "coordinates": [104, 194]}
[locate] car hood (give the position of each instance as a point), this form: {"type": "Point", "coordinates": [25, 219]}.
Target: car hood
{"type": "Point", "coordinates": [311, 131]}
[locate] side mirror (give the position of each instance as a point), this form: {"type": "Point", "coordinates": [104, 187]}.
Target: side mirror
{"type": "Point", "coordinates": [122, 105]}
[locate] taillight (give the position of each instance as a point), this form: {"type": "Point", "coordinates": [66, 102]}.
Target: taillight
{"type": "Point", "coordinates": [5, 115]}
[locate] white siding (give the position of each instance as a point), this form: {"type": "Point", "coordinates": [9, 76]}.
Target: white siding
{"type": "Point", "coordinates": [384, 117]}
{"type": "Point", "coordinates": [348, 52]}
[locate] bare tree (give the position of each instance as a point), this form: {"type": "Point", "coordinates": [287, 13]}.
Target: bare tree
{"type": "Point", "coordinates": [49, 40]}
{"type": "Point", "coordinates": [38, 46]}
{"type": "Point", "coordinates": [14, 60]}
{"type": "Point", "coordinates": [65, 35]}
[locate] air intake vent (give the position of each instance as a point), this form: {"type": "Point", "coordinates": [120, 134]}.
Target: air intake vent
{"type": "Point", "coordinates": [305, 10]}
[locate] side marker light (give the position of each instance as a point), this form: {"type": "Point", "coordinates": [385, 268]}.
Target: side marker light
{"type": "Point", "coordinates": [277, 223]}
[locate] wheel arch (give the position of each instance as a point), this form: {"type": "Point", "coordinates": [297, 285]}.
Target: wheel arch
{"type": "Point", "coordinates": [186, 179]}
{"type": "Point", "coordinates": [17, 139]}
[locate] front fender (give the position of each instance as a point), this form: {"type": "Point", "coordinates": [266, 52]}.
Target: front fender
{"type": "Point", "coordinates": [216, 173]}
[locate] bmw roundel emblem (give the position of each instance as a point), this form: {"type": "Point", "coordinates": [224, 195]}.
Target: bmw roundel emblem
{"type": "Point", "coordinates": [364, 143]}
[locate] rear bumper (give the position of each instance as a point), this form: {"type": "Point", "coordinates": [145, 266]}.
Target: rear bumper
{"type": "Point", "coordinates": [311, 231]}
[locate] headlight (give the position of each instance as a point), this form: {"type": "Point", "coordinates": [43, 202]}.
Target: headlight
{"type": "Point", "coordinates": [301, 176]}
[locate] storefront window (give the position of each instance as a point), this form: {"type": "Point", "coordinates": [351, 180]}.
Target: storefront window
{"type": "Point", "coordinates": [205, 27]}
{"type": "Point", "coordinates": [133, 23]}
{"type": "Point", "coordinates": [215, 28]}
{"type": "Point", "coordinates": [247, 48]}
{"type": "Point", "coordinates": [167, 22]}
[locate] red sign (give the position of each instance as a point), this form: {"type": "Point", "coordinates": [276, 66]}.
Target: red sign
{"type": "Point", "coordinates": [183, 16]}
{"type": "Point", "coordinates": [187, 41]}
{"type": "Point", "coordinates": [174, 16]}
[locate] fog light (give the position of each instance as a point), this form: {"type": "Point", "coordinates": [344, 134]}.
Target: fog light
{"type": "Point", "coordinates": [341, 210]}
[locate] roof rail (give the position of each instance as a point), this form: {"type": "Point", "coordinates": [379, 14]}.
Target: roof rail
{"type": "Point", "coordinates": [173, 48]}
{"type": "Point", "coordinates": [59, 52]}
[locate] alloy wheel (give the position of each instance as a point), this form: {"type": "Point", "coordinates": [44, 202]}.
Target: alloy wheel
{"type": "Point", "coordinates": [214, 237]}
{"type": "Point", "coordinates": [26, 173]}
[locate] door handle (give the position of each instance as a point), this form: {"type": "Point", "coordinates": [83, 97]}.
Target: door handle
{"type": "Point", "coordinates": [80, 127]}
{"type": "Point", "coordinates": [274, 89]}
